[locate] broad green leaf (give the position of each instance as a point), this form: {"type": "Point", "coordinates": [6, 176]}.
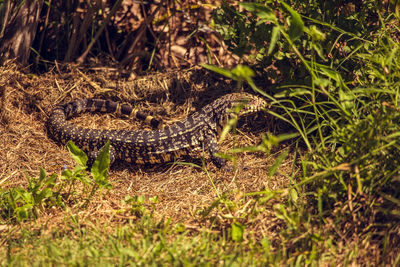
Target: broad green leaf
{"type": "Point", "coordinates": [46, 193]}
{"type": "Point", "coordinates": [25, 196]}
{"type": "Point", "coordinates": [77, 154]}
{"type": "Point", "coordinates": [296, 23]}
{"type": "Point", "coordinates": [243, 72]}
{"type": "Point", "coordinates": [237, 231]}
{"type": "Point", "coordinates": [66, 174]}
{"type": "Point", "coordinates": [101, 164]}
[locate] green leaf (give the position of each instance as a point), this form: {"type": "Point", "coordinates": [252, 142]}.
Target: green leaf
{"type": "Point", "coordinates": [25, 196]}
{"type": "Point", "coordinates": [51, 181]}
{"type": "Point", "coordinates": [316, 34]}
{"type": "Point", "coordinates": [292, 93]}
{"type": "Point", "coordinates": [23, 212]}
{"type": "Point", "coordinates": [241, 71]}
{"type": "Point", "coordinates": [141, 200]}
{"type": "Point", "coordinates": [280, 211]}
{"type": "Point", "coordinates": [266, 245]}
{"type": "Point", "coordinates": [222, 71]}
{"type": "Point", "coordinates": [296, 23]}
{"type": "Point", "coordinates": [276, 32]}
{"type": "Point", "coordinates": [46, 193]}
{"type": "Point", "coordinates": [327, 71]}
{"type": "Point", "coordinates": [277, 163]}
{"type": "Point", "coordinates": [207, 211]}
{"type": "Point", "coordinates": [293, 195]}
{"type": "Point", "coordinates": [346, 99]}
{"type": "Point", "coordinates": [154, 200]}
{"type": "Point", "coordinates": [321, 82]}
{"type": "Point", "coordinates": [263, 12]}
{"type": "Point", "coordinates": [66, 174]}
{"type": "Point", "coordinates": [42, 174]}
{"type": "Point", "coordinates": [318, 48]}
{"type": "Point", "coordinates": [286, 136]}
{"type": "Point", "coordinates": [237, 231]}
{"type": "Point", "coordinates": [77, 154]}
{"type": "Point", "coordinates": [231, 124]}
{"type": "Point", "coordinates": [101, 164]}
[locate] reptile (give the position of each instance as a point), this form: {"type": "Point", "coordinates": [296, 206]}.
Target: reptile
{"type": "Point", "coordinates": [198, 130]}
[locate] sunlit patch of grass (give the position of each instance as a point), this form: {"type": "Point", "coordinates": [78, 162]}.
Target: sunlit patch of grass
{"type": "Point", "coordinates": [128, 245]}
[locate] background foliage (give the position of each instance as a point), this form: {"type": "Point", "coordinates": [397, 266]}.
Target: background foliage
{"type": "Point", "coordinates": [342, 97]}
{"type": "Point", "coordinates": [329, 69]}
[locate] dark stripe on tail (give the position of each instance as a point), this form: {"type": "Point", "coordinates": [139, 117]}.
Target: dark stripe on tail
{"type": "Point", "coordinates": [77, 107]}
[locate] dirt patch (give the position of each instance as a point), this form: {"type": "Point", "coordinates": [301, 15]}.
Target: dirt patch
{"type": "Point", "coordinates": [26, 102]}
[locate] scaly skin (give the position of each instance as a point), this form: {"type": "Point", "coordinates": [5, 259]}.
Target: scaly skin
{"type": "Point", "coordinates": [198, 130]}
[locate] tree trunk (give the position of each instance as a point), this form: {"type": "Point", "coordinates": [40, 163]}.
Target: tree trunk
{"type": "Point", "coordinates": [19, 29]}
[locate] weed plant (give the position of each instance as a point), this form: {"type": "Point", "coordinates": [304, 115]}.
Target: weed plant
{"type": "Point", "coordinates": [45, 192]}
{"type": "Point", "coordinates": [341, 96]}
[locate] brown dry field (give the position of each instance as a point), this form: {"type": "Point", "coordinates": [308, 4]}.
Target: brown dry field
{"type": "Point", "coordinates": [27, 100]}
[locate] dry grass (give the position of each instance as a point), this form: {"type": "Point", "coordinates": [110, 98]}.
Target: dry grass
{"type": "Point", "coordinates": [26, 102]}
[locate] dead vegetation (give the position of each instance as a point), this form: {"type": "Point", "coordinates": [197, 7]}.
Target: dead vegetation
{"type": "Point", "coordinates": [26, 101]}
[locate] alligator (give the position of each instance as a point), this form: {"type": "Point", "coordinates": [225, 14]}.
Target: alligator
{"type": "Point", "coordinates": [199, 130]}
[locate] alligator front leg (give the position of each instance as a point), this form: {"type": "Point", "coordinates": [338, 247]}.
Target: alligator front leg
{"type": "Point", "coordinates": [212, 147]}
